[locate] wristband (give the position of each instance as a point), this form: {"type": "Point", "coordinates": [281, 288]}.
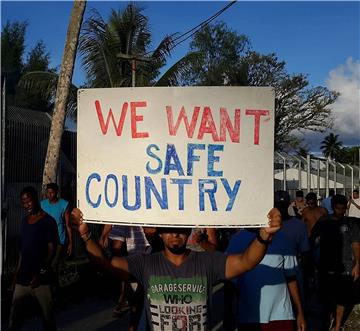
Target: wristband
{"type": "Point", "coordinates": [261, 240]}
{"type": "Point", "coordinates": [87, 238]}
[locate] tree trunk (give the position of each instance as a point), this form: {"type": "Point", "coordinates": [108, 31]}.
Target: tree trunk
{"type": "Point", "coordinates": [62, 92]}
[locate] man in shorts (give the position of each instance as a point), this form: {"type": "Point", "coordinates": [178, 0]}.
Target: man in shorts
{"type": "Point", "coordinates": [337, 239]}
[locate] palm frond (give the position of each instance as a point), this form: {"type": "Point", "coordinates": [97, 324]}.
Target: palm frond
{"type": "Point", "coordinates": [46, 83]}
{"type": "Point", "coordinates": [172, 77]}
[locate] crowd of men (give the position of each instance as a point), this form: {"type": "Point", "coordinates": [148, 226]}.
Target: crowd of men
{"type": "Point", "coordinates": [166, 275]}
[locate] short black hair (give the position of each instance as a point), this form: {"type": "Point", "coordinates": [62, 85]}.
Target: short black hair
{"type": "Point", "coordinates": [299, 194]}
{"type": "Point", "coordinates": [356, 191]}
{"type": "Point", "coordinates": [331, 192]}
{"type": "Point", "coordinates": [311, 196]}
{"type": "Point", "coordinates": [31, 191]}
{"type": "Point", "coordinates": [52, 186]}
{"type": "Point", "coordinates": [338, 199]}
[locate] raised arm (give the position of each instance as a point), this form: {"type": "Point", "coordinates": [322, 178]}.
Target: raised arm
{"type": "Point", "coordinates": [117, 265]}
{"type": "Point", "coordinates": [68, 230]}
{"type": "Point", "coordinates": [236, 264]}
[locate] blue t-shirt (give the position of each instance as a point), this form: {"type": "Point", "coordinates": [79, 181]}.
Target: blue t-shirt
{"type": "Point", "coordinates": [57, 211]}
{"type": "Point", "coordinates": [263, 291]}
{"type": "Point", "coordinates": [326, 203]}
{"type": "Point", "coordinates": [296, 231]}
{"type": "Point", "coordinates": [34, 247]}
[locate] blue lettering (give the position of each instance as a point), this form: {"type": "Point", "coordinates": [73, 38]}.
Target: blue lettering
{"type": "Point", "coordinates": [171, 154]}
{"type": "Point", "coordinates": [181, 183]}
{"type": "Point", "coordinates": [151, 154]}
{"type": "Point", "coordinates": [89, 201]}
{"type": "Point", "coordinates": [231, 192]}
{"type": "Point", "coordinates": [150, 187]}
{"type": "Point", "coordinates": [137, 203]}
{"type": "Point", "coordinates": [209, 191]}
{"type": "Point", "coordinates": [114, 178]}
{"type": "Point", "coordinates": [212, 158]}
{"type": "Point", "coordinates": [191, 158]}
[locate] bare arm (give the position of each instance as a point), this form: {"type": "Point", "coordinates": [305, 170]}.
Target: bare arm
{"type": "Point", "coordinates": [295, 296]}
{"type": "Point", "coordinates": [236, 264]}
{"type": "Point", "coordinates": [103, 241]}
{"type": "Point", "coordinates": [356, 251]}
{"type": "Point", "coordinates": [117, 265]}
{"type": "Point", "coordinates": [210, 242]}
{"type": "Point", "coordinates": [68, 230]}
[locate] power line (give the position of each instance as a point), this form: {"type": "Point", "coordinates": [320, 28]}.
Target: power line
{"type": "Point", "coordinates": [188, 34]}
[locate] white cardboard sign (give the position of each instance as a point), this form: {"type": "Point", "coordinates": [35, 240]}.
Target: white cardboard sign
{"type": "Point", "coordinates": [176, 156]}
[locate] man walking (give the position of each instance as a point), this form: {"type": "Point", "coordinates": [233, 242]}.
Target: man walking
{"type": "Point", "coordinates": [177, 281]}
{"type": "Point", "coordinates": [38, 243]}
{"type": "Point", "coordinates": [58, 209]}
{"type": "Point", "coordinates": [354, 205]}
{"type": "Point", "coordinates": [337, 240]}
{"type": "Point", "coordinates": [312, 213]}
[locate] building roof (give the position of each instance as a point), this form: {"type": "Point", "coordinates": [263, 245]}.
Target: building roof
{"type": "Point", "coordinates": [27, 116]}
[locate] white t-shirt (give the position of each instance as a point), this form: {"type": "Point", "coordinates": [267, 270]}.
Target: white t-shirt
{"type": "Point", "coordinates": [353, 210]}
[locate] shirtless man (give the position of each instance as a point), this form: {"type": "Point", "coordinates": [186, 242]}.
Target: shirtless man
{"type": "Point", "coordinates": [312, 213]}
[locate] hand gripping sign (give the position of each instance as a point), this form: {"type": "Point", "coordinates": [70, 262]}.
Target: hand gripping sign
{"type": "Point", "coordinates": [176, 156]}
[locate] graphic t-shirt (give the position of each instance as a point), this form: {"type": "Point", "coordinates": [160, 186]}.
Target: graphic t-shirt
{"type": "Point", "coordinates": [57, 211]}
{"type": "Point", "coordinates": [177, 297]}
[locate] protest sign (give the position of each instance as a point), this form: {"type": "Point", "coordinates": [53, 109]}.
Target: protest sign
{"type": "Point", "coordinates": [176, 156]}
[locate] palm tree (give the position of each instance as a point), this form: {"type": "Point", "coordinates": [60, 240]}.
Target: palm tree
{"type": "Point", "coordinates": [108, 47]}
{"type": "Point", "coordinates": [62, 93]}
{"type": "Point", "coordinates": [331, 146]}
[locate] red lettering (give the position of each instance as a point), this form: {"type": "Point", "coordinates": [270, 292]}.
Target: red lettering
{"type": "Point", "coordinates": [225, 123]}
{"type": "Point", "coordinates": [137, 118]}
{"type": "Point", "coordinates": [207, 125]}
{"type": "Point", "coordinates": [257, 113]}
{"type": "Point", "coordinates": [182, 117]}
{"type": "Point", "coordinates": [104, 126]}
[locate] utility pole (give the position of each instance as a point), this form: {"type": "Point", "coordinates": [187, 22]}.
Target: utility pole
{"type": "Point", "coordinates": [133, 59]}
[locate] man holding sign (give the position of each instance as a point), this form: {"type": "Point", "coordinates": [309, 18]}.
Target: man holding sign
{"type": "Point", "coordinates": [179, 158]}
{"type": "Point", "coordinates": [177, 281]}
{"type": "Point", "coordinates": [194, 155]}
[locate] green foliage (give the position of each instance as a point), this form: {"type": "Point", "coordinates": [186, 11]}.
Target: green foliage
{"type": "Point", "coordinates": [331, 147]}
{"type": "Point", "coordinates": [12, 47]}
{"type": "Point", "coordinates": [108, 47]}
{"type": "Point", "coordinates": [14, 68]}
{"type": "Point", "coordinates": [219, 64]}
{"type": "Point", "coordinates": [227, 59]}
{"type": "Point", "coordinates": [38, 58]}
{"type": "Point", "coordinates": [349, 155]}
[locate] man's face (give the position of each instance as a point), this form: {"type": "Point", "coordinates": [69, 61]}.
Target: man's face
{"type": "Point", "coordinates": [28, 203]}
{"type": "Point", "coordinates": [355, 195]}
{"type": "Point", "coordinates": [175, 240]}
{"type": "Point", "coordinates": [51, 194]}
{"type": "Point", "coordinates": [311, 203]}
{"type": "Point", "coordinates": [339, 210]}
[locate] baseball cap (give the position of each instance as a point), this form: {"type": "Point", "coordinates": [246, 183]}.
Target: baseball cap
{"type": "Point", "coordinates": [281, 196]}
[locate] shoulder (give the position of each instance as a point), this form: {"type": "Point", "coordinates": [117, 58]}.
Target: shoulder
{"type": "Point", "coordinates": [44, 202]}
{"type": "Point", "coordinates": [323, 210]}
{"type": "Point", "coordinates": [239, 241]}
{"type": "Point", "coordinates": [63, 203]}
{"type": "Point", "coordinates": [49, 219]}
